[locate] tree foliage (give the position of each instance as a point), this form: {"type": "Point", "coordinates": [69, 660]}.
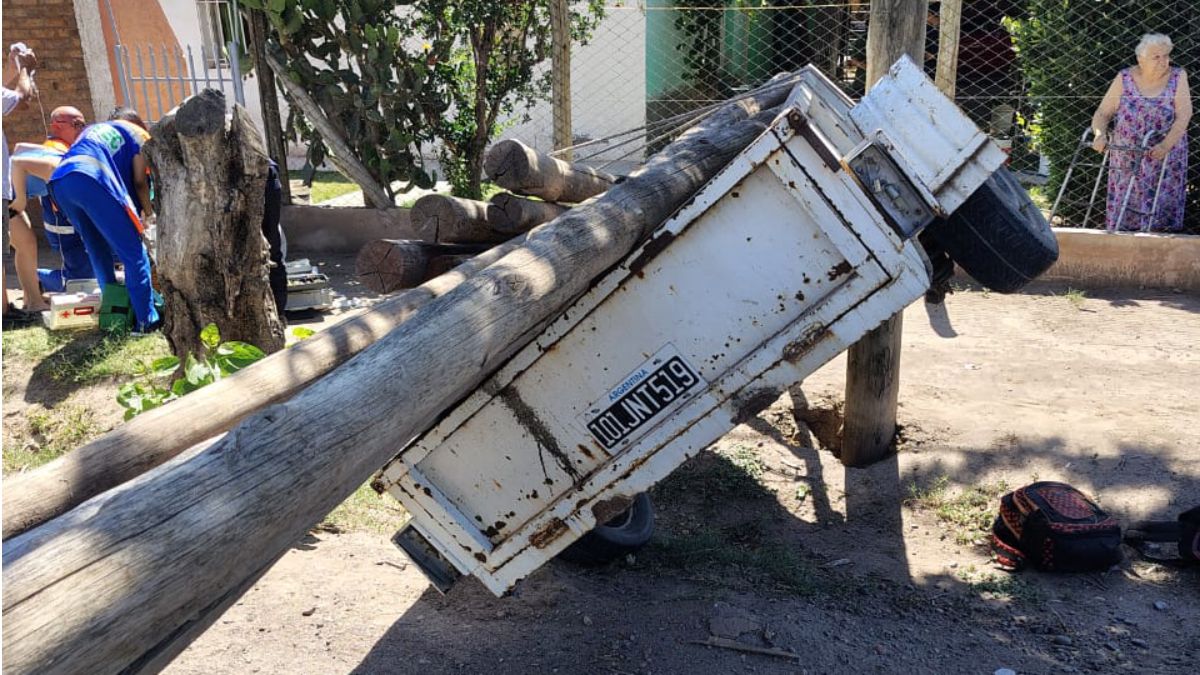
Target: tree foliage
{"type": "Point", "coordinates": [395, 76]}
{"type": "Point", "coordinates": [1069, 51]}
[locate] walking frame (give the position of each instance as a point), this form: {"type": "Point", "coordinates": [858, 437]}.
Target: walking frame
{"type": "Point", "coordinates": [1143, 149]}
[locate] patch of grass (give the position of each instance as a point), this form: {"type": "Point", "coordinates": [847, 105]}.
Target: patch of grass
{"type": "Point", "coordinates": [326, 185]}
{"type": "Point", "coordinates": [48, 434]}
{"type": "Point", "coordinates": [1002, 586]}
{"type": "Point", "coordinates": [968, 512]}
{"type": "Point", "coordinates": [730, 557]}
{"type": "Point", "coordinates": [712, 475]}
{"type": "Point", "coordinates": [98, 356]}
{"type": "Point", "coordinates": [33, 343]}
{"type": "Point", "coordinates": [1075, 297]}
{"type": "Point", "coordinates": [366, 511]}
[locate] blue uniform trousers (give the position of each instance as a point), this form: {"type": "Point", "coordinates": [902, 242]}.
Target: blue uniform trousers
{"type": "Point", "coordinates": [106, 228]}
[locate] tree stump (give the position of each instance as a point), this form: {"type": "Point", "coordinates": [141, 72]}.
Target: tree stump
{"type": "Point", "coordinates": [209, 173]}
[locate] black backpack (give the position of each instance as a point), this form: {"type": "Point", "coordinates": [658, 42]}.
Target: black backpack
{"type": "Point", "coordinates": [1056, 528]}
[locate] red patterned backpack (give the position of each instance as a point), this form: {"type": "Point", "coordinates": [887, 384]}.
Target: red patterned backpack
{"type": "Point", "coordinates": [1056, 528]}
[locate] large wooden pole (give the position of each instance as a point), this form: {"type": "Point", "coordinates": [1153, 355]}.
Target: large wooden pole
{"type": "Point", "coordinates": [387, 265]}
{"type": "Point", "coordinates": [560, 75]}
{"type": "Point", "coordinates": [517, 167]}
{"type": "Point", "coordinates": [949, 28]}
{"type": "Point", "coordinates": [896, 27]}
{"type": "Point", "coordinates": [117, 582]}
{"type": "Point", "coordinates": [156, 436]}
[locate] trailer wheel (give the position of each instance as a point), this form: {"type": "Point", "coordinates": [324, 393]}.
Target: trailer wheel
{"type": "Point", "coordinates": [998, 236]}
{"type": "Point", "coordinates": [620, 536]}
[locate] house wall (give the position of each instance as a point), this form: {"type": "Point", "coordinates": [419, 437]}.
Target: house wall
{"type": "Point", "coordinates": [142, 24]}
{"type": "Point", "coordinates": [50, 28]}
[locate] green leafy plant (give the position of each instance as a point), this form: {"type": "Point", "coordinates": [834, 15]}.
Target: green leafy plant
{"type": "Point", "coordinates": [393, 76]}
{"type": "Point", "coordinates": [219, 360]}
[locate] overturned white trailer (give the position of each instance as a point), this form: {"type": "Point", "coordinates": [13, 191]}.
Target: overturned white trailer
{"type": "Point", "coordinates": [799, 247]}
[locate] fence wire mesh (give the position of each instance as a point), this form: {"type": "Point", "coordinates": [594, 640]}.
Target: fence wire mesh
{"type": "Point", "coordinates": [1030, 72]}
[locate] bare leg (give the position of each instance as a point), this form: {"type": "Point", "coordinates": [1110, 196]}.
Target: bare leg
{"type": "Point", "coordinates": [25, 243]}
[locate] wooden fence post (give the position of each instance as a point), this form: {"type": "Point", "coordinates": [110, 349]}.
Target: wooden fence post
{"type": "Point", "coordinates": [896, 27]}
{"type": "Point", "coordinates": [560, 74]}
{"type": "Point", "coordinates": [949, 24]}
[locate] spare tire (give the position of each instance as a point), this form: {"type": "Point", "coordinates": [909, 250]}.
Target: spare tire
{"type": "Point", "coordinates": [998, 236]}
{"type": "Point", "coordinates": [620, 536]}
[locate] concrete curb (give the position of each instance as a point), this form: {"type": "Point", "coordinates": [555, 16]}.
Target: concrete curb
{"type": "Point", "coordinates": [341, 230]}
{"type": "Point", "coordinates": [1097, 259]}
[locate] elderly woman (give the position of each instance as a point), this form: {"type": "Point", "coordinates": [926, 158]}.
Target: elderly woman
{"type": "Point", "coordinates": [1149, 98]}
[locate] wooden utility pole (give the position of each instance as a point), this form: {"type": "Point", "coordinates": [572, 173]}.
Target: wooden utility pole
{"type": "Point", "coordinates": [896, 27]}
{"type": "Point", "coordinates": [560, 74]}
{"type": "Point", "coordinates": [949, 25]}
{"type": "Point", "coordinates": [268, 98]}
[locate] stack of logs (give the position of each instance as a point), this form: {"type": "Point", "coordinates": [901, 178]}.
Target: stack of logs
{"type": "Point", "coordinates": [451, 230]}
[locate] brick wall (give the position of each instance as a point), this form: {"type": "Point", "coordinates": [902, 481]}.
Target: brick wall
{"type": "Point", "coordinates": [47, 26]}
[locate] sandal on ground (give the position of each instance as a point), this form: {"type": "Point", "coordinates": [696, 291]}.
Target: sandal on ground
{"type": "Point", "coordinates": [20, 318]}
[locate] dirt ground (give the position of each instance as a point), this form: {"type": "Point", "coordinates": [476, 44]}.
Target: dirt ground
{"type": "Point", "coordinates": [812, 559]}
{"type": "Point", "coordinates": [767, 542]}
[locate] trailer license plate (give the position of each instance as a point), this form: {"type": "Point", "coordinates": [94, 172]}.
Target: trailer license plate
{"type": "Point", "coordinates": [661, 383]}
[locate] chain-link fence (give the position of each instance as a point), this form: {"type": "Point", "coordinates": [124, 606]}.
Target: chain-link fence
{"type": "Point", "coordinates": [1030, 72]}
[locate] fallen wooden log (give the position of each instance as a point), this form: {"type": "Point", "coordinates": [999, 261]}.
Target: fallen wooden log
{"type": "Point", "coordinates": [453, 220]}
{"type": "Point", "coordinates": [387, 265]}
{"type": "Point", "coordinates": [517, 167]}
{"type": "Point", "coordinates": [153, 437]}
{"type": "Point", "coordinates": [510, 213]}
{"type": "Point", "coordinates": [126, 574]}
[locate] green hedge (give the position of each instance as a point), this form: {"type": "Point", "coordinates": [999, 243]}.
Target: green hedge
{"type": "Point", "coordinates": [1069, 51]}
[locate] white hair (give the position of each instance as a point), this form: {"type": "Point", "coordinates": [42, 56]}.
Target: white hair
{"type": "Point", "coordinates": [1153, 40]}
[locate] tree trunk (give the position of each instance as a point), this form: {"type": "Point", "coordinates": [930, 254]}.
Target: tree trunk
{"type": "Point", "coordinates": [341, 155]}
{"type": "Point", "coordinates": [453, 220]}
{"type": "Point", "coordinates": [513, 214]}
{"type": "Point", "coordinates": [387, 265]}
{"type": "Point", "coordinates": [517, 167]}
{"type": "Point", "coordinates": [212, 257]}
{"type": "Point", "coordinates": [269, 97]}
{"type": "Point", "coordinates": [897, 27]}
{"type": "Point", "coordinates": [128, 573]}
{"type": "Point", "coordinates": [156, 436]}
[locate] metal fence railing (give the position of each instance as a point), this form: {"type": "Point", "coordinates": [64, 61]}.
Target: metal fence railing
{"type": "Point", "coordinates": [1030, 72]}
{"type": "Point", "coordinates": [153, 79]}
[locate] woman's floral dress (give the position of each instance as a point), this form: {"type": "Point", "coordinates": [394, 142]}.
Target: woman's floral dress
{"type": "Point", "coordinates": [1136, 116]}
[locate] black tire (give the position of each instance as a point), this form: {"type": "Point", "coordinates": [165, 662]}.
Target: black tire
{"type": "Point", "coordinates": [998, 236]}
{"type": "Point", "coordinates": [617, 538]}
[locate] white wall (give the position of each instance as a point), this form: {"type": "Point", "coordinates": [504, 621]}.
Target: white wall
{"type": "Point", "coordinates": [608, 88]}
